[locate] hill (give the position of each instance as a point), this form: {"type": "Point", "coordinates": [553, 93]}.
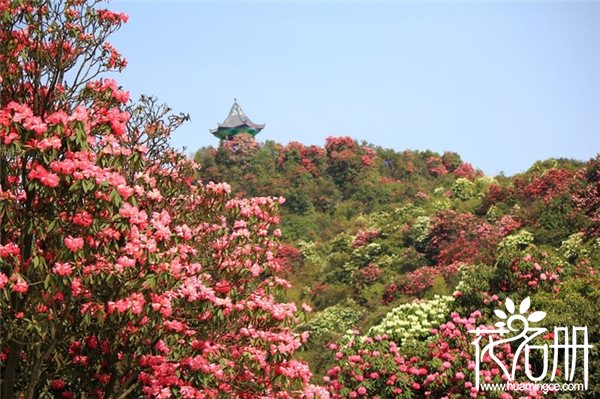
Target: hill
{"type": "Point", "coordinates": [369, 229]}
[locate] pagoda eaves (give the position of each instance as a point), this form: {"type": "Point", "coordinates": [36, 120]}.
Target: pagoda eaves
{"type": "Point", "coordinates": [236, 122]}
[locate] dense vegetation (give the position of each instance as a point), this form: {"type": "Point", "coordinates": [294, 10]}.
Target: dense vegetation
{"type": "Point", "coordinates": [369, 230]}
{"type": "Point", "coordinates": [121, 274]}
{"type": "Point", "coordinates": [128, 270]}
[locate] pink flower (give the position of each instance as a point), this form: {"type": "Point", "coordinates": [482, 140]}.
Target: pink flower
{"type": "Point", "coordinates": [62, 269]}
{"type": "Point", "coordinates": [162, 346]}
{"type": "Point", "coordinates": [74, 244]}
{"type": "Point", "coordinates": [35, 123]}
{"type": "Point", "coordinates": [124, 262]}
{"type": "Point", "coordinates": [361, 390]}
{"type": "Point", "coordinates": [117, 120]}
{"type": "Point", "coordinates": [3, 280]}
{"type": "Point", "coordinates": [77, 287]}
{"type": "Point", "coordinates": [46, 178]}
{"type": "Point", "coordinates": [20, 285]}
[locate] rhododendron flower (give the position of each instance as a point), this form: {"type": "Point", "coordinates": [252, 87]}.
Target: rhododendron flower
{"type": "Point", "coordinates": [46, 178]}
{"type": "Point", "coordinates": [62, 269]}
{"type": "Point", "coordinates": [74, 244]}
{"type": "Point", "coordinates": [77, 287]}
{"type": "Point", "coordinates": [20, 285]}
{"type": "Point", "coordinates": [57, 385]}
{"type": "Point", "coordinates": [9, 249]}
{"type": "Point", "coordinates": [3, 280]}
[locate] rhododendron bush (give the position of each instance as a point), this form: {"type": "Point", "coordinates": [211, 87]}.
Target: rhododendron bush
{"type": "Point", "coordinates": [121, 274]}
{"type": "Point", "coordinates": [440, 366]}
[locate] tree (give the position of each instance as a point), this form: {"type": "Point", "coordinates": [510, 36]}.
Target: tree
{"type": "Point", "coordinates": [120, 272]}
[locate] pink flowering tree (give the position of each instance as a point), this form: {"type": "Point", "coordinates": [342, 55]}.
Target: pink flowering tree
{"type": "Point", "coordinates": [347, 160]}
{"type": "Point", "coordinates": [121, 274]}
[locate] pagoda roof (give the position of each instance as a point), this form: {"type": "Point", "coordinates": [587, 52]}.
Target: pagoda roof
{"type": "Point", "coordinates": [237, 119]}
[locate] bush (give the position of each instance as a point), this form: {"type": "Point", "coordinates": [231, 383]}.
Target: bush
{"type": "Point", "coordinates": [413, 321]}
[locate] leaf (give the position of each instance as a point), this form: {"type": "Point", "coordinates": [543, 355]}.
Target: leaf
{"type": "Point", "coordinates": [51, 226]}
{"type": "Point", "coordinates": [500, 313]}
{"type": "Point", "coordinates": [524, 307]}
{"type": "Point", "coordinates": [500, 324]}
{"type": "Point", "coordinates": [510, 305]}
{"type": "Point", "coordinates": [536, 316]}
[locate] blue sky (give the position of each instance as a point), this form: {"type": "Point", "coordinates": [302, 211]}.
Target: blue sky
{"type": "Point", "coordinates": [502, 83]}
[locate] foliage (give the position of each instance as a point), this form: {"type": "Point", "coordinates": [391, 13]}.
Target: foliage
{"type": "Point", "coordinates": [433, 225]}
{"type": "Point", "coordinates": [121, 274]}
{"type": "Point", "coordinates": [127, 270]}
{"type": "Point", "coordinates": [334, 320]}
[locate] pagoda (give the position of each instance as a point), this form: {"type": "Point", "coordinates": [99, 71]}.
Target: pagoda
{"type": "Point", "coordinates": [235, 123]}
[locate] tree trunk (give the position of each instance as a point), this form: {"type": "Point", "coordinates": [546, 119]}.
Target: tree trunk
{"type": "Point", "coordinates": [10, 370]}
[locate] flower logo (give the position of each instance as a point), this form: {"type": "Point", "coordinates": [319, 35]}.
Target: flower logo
{"type": "Point", "coordinates": [523, 309]}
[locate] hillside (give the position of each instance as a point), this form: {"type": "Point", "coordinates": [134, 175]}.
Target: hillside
{"type": "Point", "coordinates": [269, 271]}
{"type": "Point", "coordinates": [368, 229]}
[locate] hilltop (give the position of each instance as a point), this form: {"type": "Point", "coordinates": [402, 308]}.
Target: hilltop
{"type": "Point", "coordinates": [369, 229]}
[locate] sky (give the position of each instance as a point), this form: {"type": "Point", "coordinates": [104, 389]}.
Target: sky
{"type": "Point", "coordinates": [502, 83]}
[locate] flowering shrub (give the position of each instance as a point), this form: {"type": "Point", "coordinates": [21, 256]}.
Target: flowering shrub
{"type": "Point", "coordinates": [496, 194]}
{"type": "Point", "coordinates": [461, 238]}
{"type": "Point", "coordinates": [466, 170]}
{"type": "Point", "coordinates": [436, 167]}
{"type": "Point", "coordinates": [587, 198]}
{"type": "Point", "coordinates": [309, 252]}
{"type": "Point", "coordinates": [516, 241]}
{"type": "Point", "coordinates": [419, 231]}
{"type": "Point", "coordinates": [463, 189]}
{"type": "Point", "coordinates": [290, 256]}
{"type": "Point", "coordinates": [346, 159]}
{"type": "Point", "coordinates": [238, 150]}
{"type": "Point", "coordinates": [334, 320]}
{"type": "Point", "coordinates": [369, 367]}
{"type": "Point", "coordinates": [310, 158]}
{"type": "Point", "coordinates": [413, 320]}
{"type": "Point", "coordinates": [573, 247]}
{"type": "Point", "coordinates": [521, 273]}
{"type": "Point", "coordinates": [121, 273]}
{"type": "Point", "coordinates": [369, 274]}
{"type": "Point", "coordinates": [365, 255]}
{"type": "Point", "coordinates": [534, 273]}
{"type": "Point", "coordinates": [451, 160]}
{"type": "Point", "coordinates": [364, 237]}
{"type": "Point", "coordinates": [417, 282]}
{"type": "Point", "coordinates": [549, 185]}
{"type": "Point", "coordinates": [507, 224]}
